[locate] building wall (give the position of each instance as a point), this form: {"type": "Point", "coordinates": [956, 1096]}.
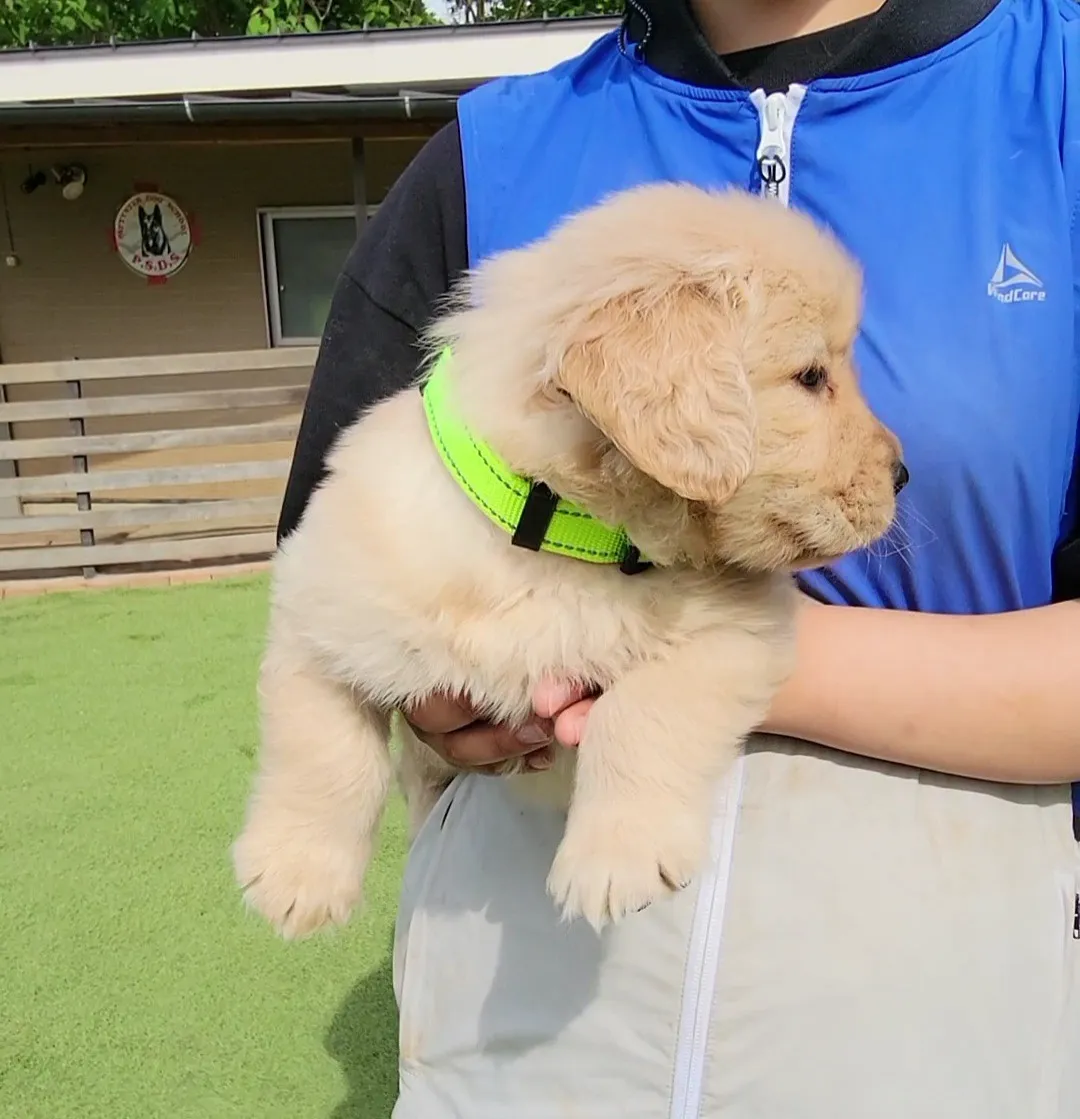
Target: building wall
{"type": "Point", "coordinates": [72, 297]}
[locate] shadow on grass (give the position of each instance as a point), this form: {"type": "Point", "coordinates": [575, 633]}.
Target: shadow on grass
{"type": "Point", "coordinates": [363, 1040]}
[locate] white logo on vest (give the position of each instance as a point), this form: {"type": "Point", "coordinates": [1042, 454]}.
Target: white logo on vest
{"type": "Point", "coordinates": [1013, 281]}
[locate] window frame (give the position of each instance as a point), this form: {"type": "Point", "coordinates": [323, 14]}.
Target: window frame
{"type": "Point", "coordinates": [266, 216]}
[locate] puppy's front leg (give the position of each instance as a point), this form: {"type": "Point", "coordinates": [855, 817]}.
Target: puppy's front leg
{"type": "Point", "coordinates": [323, 779]}
{"type": "Point", "coordinates": [648, 764]}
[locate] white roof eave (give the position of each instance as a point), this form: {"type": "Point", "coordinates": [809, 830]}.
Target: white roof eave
{"type": "Point", "coordinates": [458, 57]}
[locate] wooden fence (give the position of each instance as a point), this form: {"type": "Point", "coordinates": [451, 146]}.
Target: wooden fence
{"type": "Point", "coordinates": [122, 463]}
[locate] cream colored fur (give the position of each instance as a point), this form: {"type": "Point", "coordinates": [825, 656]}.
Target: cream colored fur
{"type": "Point", "coordinates": [652, 359]}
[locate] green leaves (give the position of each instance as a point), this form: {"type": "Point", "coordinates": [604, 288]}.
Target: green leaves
{"type": "Point", "coordinates": [27, 21]}
{"type": "Point", "coordinates": [287, 16]}
{"type": "Point", "coordinates": [50, 22]}
{"type": "Point", "coordinates": [478, 11]}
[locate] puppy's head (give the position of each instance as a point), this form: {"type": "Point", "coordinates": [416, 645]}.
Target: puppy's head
{"type": "Point", "coordinates": [680, 362]}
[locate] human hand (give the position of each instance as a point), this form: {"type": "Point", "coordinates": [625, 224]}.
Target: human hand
{"type": "Point", "coordinates": [567, 706]}
{"type": "Point", "coordinates": [449, 725]}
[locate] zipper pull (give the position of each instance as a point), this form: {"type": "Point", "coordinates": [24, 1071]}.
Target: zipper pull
{"type": "Point", "coordinates": [772, 148]}
{"type": "Point", "coordinates": [1076, 919]}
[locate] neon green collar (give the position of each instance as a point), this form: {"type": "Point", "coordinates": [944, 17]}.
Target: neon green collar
{"type": "Point", "coordinates": [535, 517]}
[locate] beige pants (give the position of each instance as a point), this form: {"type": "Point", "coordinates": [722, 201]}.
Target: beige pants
{"type": "Point", "coordinates": [867, 942]}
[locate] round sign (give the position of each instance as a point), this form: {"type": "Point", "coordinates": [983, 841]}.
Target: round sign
{"type": "Point", "coordinates": [152, 234]}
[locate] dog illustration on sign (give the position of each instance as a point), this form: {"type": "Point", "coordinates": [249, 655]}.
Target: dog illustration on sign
{"type": "Point", "coordinates": [153, 235]}
{"type": "Point", "coordinates": [155, 241]}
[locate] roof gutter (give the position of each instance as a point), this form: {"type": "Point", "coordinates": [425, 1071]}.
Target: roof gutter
{"type": "Point", "coordinates": [233, 110]}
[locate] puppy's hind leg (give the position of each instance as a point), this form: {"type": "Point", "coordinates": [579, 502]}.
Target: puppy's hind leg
{"type": "Point", "coordinates": [322, 782]}
{"type": "Point", "coordinates": [422, 775]}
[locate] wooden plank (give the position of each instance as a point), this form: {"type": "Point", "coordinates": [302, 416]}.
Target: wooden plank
{"type": "Point", "coordinates": [9, 506]}
{"type": "Point", "coordinates": [132, 442]}
{"type": "Point", "coordinates": [79, 462]}
{"type": "Point", "coordinates": [159, 365]}
{"type": "Point", "coordinates": [97, 481]}
{"type": "Point", "coordinates": [154, 403]}
{"type": "Point", "coordinates": [263, 509]}
{"type": "Point", "coordinates": [138, 551]}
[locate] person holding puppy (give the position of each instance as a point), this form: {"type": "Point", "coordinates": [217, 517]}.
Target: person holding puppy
{"type": "Point", "coordinates": [889, 924]}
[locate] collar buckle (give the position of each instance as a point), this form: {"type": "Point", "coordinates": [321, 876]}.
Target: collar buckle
{"type": "Point", "coordinates": [536, 516]}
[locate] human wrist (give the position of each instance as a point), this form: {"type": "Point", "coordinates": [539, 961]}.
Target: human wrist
{"type": "Point", "coordinates": [791, 711]}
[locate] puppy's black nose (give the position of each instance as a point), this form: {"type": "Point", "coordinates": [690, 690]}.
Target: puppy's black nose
{"type": "Point", "coordinates": [900, 476]}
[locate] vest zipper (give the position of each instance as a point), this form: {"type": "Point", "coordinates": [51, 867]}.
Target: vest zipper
{"type": "Point", "coordinates": [703, 953]}
{"type": "Point", "coordinates": [1076, 918]}
{"type": "Point", "coordinates": [776, 115]}
{"type": "Point", "coordinates": [776, 112]}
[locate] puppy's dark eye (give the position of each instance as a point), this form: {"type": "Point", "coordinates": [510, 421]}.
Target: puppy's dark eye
{"type": "Point", "coordinates": [814, 378]}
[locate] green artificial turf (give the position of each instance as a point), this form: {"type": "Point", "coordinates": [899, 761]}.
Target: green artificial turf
{"type": "Point", "coordinates": [133, 984]}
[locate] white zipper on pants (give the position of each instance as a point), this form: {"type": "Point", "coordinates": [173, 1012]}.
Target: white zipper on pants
{"type": "Point", "coordinates": [776, 113]}
{"type": "Point", "coordinates": [703, 953]}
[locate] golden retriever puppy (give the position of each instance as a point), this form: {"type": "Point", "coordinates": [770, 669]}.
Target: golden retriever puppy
{"type": "Point", "coordinates": [676, 365]}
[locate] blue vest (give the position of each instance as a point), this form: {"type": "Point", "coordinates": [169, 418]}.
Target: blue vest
{"type": "Point", "coordinates": [954, 179]}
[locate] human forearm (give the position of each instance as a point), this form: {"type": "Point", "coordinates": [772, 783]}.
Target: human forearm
{"type": "Point", "coordinates": [992, 697]}
{"type": "Point", "coordinates": [995, 698]}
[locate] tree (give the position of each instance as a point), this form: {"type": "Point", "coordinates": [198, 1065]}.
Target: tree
{"type": "Point", "coordinates": [50, 22]}
{"type": "Point", "coordinates": [479, 11]}
{"type": "Point", "coordinates": [273, 16]}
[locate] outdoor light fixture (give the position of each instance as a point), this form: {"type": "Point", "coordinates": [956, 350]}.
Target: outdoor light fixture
{"type": "Point", "coordinates": [71, 178]}
{"type": "Point", "coordinates": [32, 181]}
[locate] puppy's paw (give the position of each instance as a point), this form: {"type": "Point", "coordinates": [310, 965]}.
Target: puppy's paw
{"type": "Point", "coordinates": [618, 859]}
{"type": "Point", "coordinates": [298, 881]}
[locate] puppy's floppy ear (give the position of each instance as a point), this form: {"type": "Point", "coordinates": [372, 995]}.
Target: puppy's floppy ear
{"type": "Point", "coordinates": [659, 373]}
